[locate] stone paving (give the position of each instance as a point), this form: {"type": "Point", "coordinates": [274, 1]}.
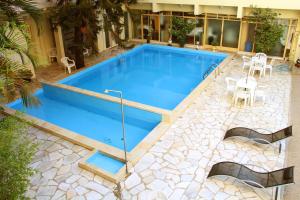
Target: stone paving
{"type": "Point", "coordinates": [176, 167]}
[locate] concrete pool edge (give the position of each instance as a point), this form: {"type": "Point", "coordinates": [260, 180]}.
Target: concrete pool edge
{"type": "Point", "coordinates": [115, 178]}
{"type": "Point", "coordinates": [166, 114]}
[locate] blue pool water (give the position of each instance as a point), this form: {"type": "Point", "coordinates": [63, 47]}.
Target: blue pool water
{"type": "Point", "coordinates": [155, 75]}
{"type": "Point", "coordinates": [92, 117]}
{"type": "Point", "coordinates": [104, 162]}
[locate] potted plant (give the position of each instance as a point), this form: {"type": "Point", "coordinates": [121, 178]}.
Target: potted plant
{"type": "Point", "coordinates": [180, 29]}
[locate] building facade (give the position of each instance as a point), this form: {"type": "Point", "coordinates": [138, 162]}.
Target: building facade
{"type": "Point", "coordinates": [227, 22]}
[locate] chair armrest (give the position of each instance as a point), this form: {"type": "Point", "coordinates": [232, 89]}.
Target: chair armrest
{"type": "Point", "coordinates": [72, 61]}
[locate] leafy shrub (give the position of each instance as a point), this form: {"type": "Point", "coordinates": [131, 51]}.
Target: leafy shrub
{"type": "Point", "coordinates": [16, 153]}
{"type": "Point", "coordinates": [268, 31]}
{"type": "Point", "coordinates": [180, 28]}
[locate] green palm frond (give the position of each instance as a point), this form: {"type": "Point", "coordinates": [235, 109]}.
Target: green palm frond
{"type": "Point", "coordinates": [14, 79]}
{"type": "Point", "coordinates": [15, 64]}
{"type": "Point", "coordinates": [11, 37]}
{"type": "Point", "coordinates": [12, 8]}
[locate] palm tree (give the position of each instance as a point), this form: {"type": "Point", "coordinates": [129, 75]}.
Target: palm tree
{"type": "Point", "coordinates": [113, 15]}
{"type": "Point", "coordinates": [80, 16]}
{"type": "Point", "coordinates": [83, 17]}
{"type": "Point", "coordinates": [15, 59]}
{"type": "Point", "coordinates": [15, 62]}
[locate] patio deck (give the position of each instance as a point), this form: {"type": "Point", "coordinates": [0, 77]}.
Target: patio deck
{"type": "Point", "coordinates": [176, 167]}
{"type": "Point", "coordinates": [293, 156]}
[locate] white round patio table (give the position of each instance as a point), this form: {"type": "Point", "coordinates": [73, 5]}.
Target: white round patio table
{"type": "Point", "coordinates": [248, 83]}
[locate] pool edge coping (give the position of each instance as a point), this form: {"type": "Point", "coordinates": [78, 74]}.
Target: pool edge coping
{"type": "Point", "coordinates": [166, 114]}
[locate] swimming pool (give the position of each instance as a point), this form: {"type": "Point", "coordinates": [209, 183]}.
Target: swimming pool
{"type": "Point", "coordinates": [158, 76]}
{"type": "Point", "coordinates": [91, 117]}
{"type": "Point", "coordinates": [155, 75]}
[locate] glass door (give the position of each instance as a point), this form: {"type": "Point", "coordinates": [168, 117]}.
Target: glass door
{"type": "Point", "coordinates": [154, 27]}
{"type": "Point", "coordinates": [231, 32]}
{"type": "Point", "coordinates": [165, 28]}
{"type": "Point", "coordinates": [213, 32]}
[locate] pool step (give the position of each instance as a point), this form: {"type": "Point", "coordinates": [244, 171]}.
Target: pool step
{"type": "Point", "coordinates": [104, 166]}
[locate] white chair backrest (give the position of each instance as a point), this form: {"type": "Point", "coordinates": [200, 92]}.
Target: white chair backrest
{"type": "Point", "coordinates": [262, 56]}
{"type": "Point", "coordinates": [64, 60]}
{"type": "Point", "coordinates": [246, 59]}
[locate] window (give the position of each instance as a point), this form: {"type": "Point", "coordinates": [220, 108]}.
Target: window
{"type": "Point", "coordinates": [231, 34]}
{"type": "Point", "coordinates": [213, 32]}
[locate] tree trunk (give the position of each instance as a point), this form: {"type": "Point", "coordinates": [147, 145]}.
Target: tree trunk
{"type": "Point", "coordinates": [78, 41]}
{"type": "Point", "coordinates": [78, 49]}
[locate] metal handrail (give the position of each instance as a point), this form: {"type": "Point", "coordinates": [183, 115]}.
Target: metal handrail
{"type": "Point", "coordinates": [213, 66]}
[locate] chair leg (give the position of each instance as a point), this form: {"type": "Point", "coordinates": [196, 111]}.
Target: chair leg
{"type": "Point", "coordinates": [260, 73]}
{"type": "Point", "coordinates": [69, 70]}
{"type": "Point", "coordinates": [235, 101]}
{"type": "Point", "coordinates": [245, 102]}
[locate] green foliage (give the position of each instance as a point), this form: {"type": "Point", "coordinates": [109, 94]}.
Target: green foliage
{"type": "Point", "coordinates": [83, 16]}
{"type": "Point", "coordinates": [268, 31]}
{"type": "Point", "coordinates": [80, 15]}
{"type": "Point", "coordinates": [180, 28]}
{"type": "Point", "coordinates": [113, 15]}
{"type": "Point", "coordinates": [10, 10]}
{"type": "Point", "coordinates": [16, 153]}
{"type": "Point", "coordinates": [15, 61]}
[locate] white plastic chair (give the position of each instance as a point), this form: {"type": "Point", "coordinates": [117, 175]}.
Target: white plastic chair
{"type": "Point", "coordinates": [257, 66]}
{"type": "Point", "coordinates": [243, 95]}
{"type": "Point", "coordinates": [68, 63]}
{"type": "Point", "coordinates": [246, 62]}
{"type": "Point", "coordinates": [261, 56]}
{"type": "Point", "coordinates": [259, 93]}
{"type": "Point", "coordinates": [52, 54]}
{"type": "Point", "coordinates": [270, 67]}
{"type": "Point", "coordinates": [230, 85]}
{"type": "Point", "coordinates": [86, 52]}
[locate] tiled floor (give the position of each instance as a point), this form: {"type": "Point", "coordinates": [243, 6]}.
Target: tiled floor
{"type": "Point", "coordinates": [293, 156]}
{"type": "Point", "coordinates": [176, 167]}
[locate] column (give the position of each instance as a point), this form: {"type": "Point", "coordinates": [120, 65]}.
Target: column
{"type": "Point", "coordinates": [59, 43]}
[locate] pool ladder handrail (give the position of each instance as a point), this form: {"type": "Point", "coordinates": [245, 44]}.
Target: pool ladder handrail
{"type": "Point", "coordinates": [213, 67]}
{"type": "Point", "coordinates": [121, 58]}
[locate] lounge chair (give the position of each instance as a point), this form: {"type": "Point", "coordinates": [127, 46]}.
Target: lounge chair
{"type": "Point", "coordinates": [252, 178]}
{"type": "Point", "coordinates": [259, 137]}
